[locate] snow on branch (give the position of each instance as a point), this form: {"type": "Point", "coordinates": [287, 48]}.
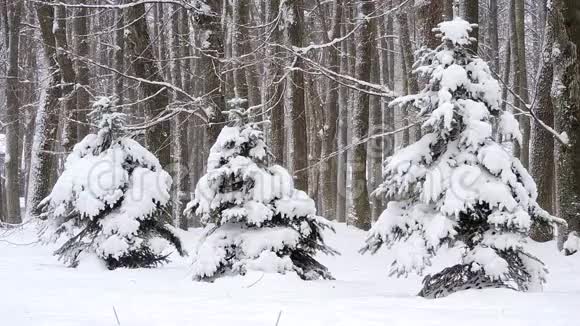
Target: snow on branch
{"type": "Point", "coordinates": [360, 142]}
{"type": "Point", "coordinates": [562, 138]}
{"type": "Point", "coordinates": [195, 5]}
{"type": "Point", "coordinates": [345, 80]}
{"type": "Point", "coordinates": [306, 49]}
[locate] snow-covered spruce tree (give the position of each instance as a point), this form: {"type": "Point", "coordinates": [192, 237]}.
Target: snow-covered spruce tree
{"type": "Point", "coordinates": [254, 218]}
{"type": "Point", "coordinates": [110, 199]}
{"type": "Point", "coordinates": [458, 186]}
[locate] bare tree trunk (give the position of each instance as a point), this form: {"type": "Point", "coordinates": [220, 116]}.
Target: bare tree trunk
{"type": "Point", "coordinates": [351, 54]}
{"type": "Point", "coordinates": [81, 25]}
{"type": "Point", "coordinates": [375, 147]}
{"type": "Point", "coordinates": [384, 77]}
{"type": "Point", "coordinates": [447, 9]}
{"type": "Point", "coordinates": [12, 162]}
{"type": "Point", "coordinates": [43, 158]}
{"type": "Point", "coordinates": [328, 168]}
{"type": "Point", "coordinates": [229, 65]}
{"type": "Point", "coordinates": [341, 176]}
{"type": "Point", "coordinates": [238, 39]}
{"type": "Point", "coordinates": [2, 199]}
{"type": "Point", "coordinates": [494, 35]}
{"type": "Point", "coordinates": [314, 124]}
{"type": "Point", "coordinates": [179, 150]}
{"type": "Point", "coordinates": [566, 100]}
{"type": "Point", "coordinates": [28, 126]}
{"type": "Point", "coordinates": [160, 40]}
{"type": "Point", "coordinates": [198, 132]}
{"type": "Point", "coordinates": [407, 47]}
{"type": "Point", "coordinates": [391, 49]}
{"type": "Point", "coordinates": [251, 71]}
{"type": "Point", "coordinates": [472, 16]}
{"type": "Point", "coordinates": [364, 41]}
{"type": "Point", "coordinates": [244, 71]}
{"type": "Point", "coordinates": [274, 90]}
{"type": "Point", "coordinates": [404, 109]}
{"type": "Point", "coordinates": [294, 32]}
{"type": "Point", "coordinates": [192, 139]}
{"type": "Point", "coordinates": [430, 13]}
{"type": "Point", "coordinates": [314, 116]}
{"type": "Point", "coordinates": [506, 73]}
{"type": "Point", "coordinates": [63, 57]}
{"type": "Point", "coordinates": [5, 23]}
{"type": "Point", "coordinates": [541, 162]}
{"type": "Point", "coordinates": [212, 51]}
{"type": "Point", "coordinates": [145, 66]}
{"type": "Point", "coordinates": [387, 118]}
{"type": "Point", "coordinates": [522, 85]}
{"type": "Point", "coordinates": [412, 85]}
{"type": "Point", "coordinates": [119, 55]}
{"type": "Point", "coordinates": [517, 148]}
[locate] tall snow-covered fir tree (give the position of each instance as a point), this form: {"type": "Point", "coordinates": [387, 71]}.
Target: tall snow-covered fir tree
{"type": "Point", "coordinates": [459, 186]}
{"type": "Point", "coordinates": [254, 217]}
{"type": "Point", "coordinates": [110, 200]}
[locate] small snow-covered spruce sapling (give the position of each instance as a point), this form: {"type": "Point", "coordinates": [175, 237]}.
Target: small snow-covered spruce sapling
{"type": "Point", "coordinates": [254, 218]}
{"type": "Point", "coordinates": [111, 199]}
{"type": "Point", "coordinates": [572, 244]}
{"type": "Point", "coordinates": [458, 186]}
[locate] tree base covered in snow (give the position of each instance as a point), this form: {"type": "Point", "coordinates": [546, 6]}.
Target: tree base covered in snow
{"type": "Point", "coordinates": [236, 249]}
{"type": "Point", "coordinates": [149, 254]}
{"type": "Point", "coordinates": [38, 291]}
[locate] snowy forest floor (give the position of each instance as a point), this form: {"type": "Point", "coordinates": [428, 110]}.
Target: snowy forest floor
{"type": "Point", "coordinates": [36, 289]}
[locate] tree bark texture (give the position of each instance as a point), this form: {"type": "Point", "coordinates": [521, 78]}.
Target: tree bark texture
{"type": "Point", "coordinates": [294, 31]}
{"type": "Point", "coordinates": [44, 161]}
{"type": "Point", "coordinates": [11, 159]}
{"type": "Point", "coordinates": [365, 39]}
{"type": "Point", "coordinates": [144, 63]}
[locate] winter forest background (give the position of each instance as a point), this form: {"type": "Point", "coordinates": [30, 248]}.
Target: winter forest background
{"type": "Point", "coordinates": [328, 101]}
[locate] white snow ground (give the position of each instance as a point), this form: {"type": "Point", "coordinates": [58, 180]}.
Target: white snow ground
{"type": "Point", "coordinates": [37, 290]}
